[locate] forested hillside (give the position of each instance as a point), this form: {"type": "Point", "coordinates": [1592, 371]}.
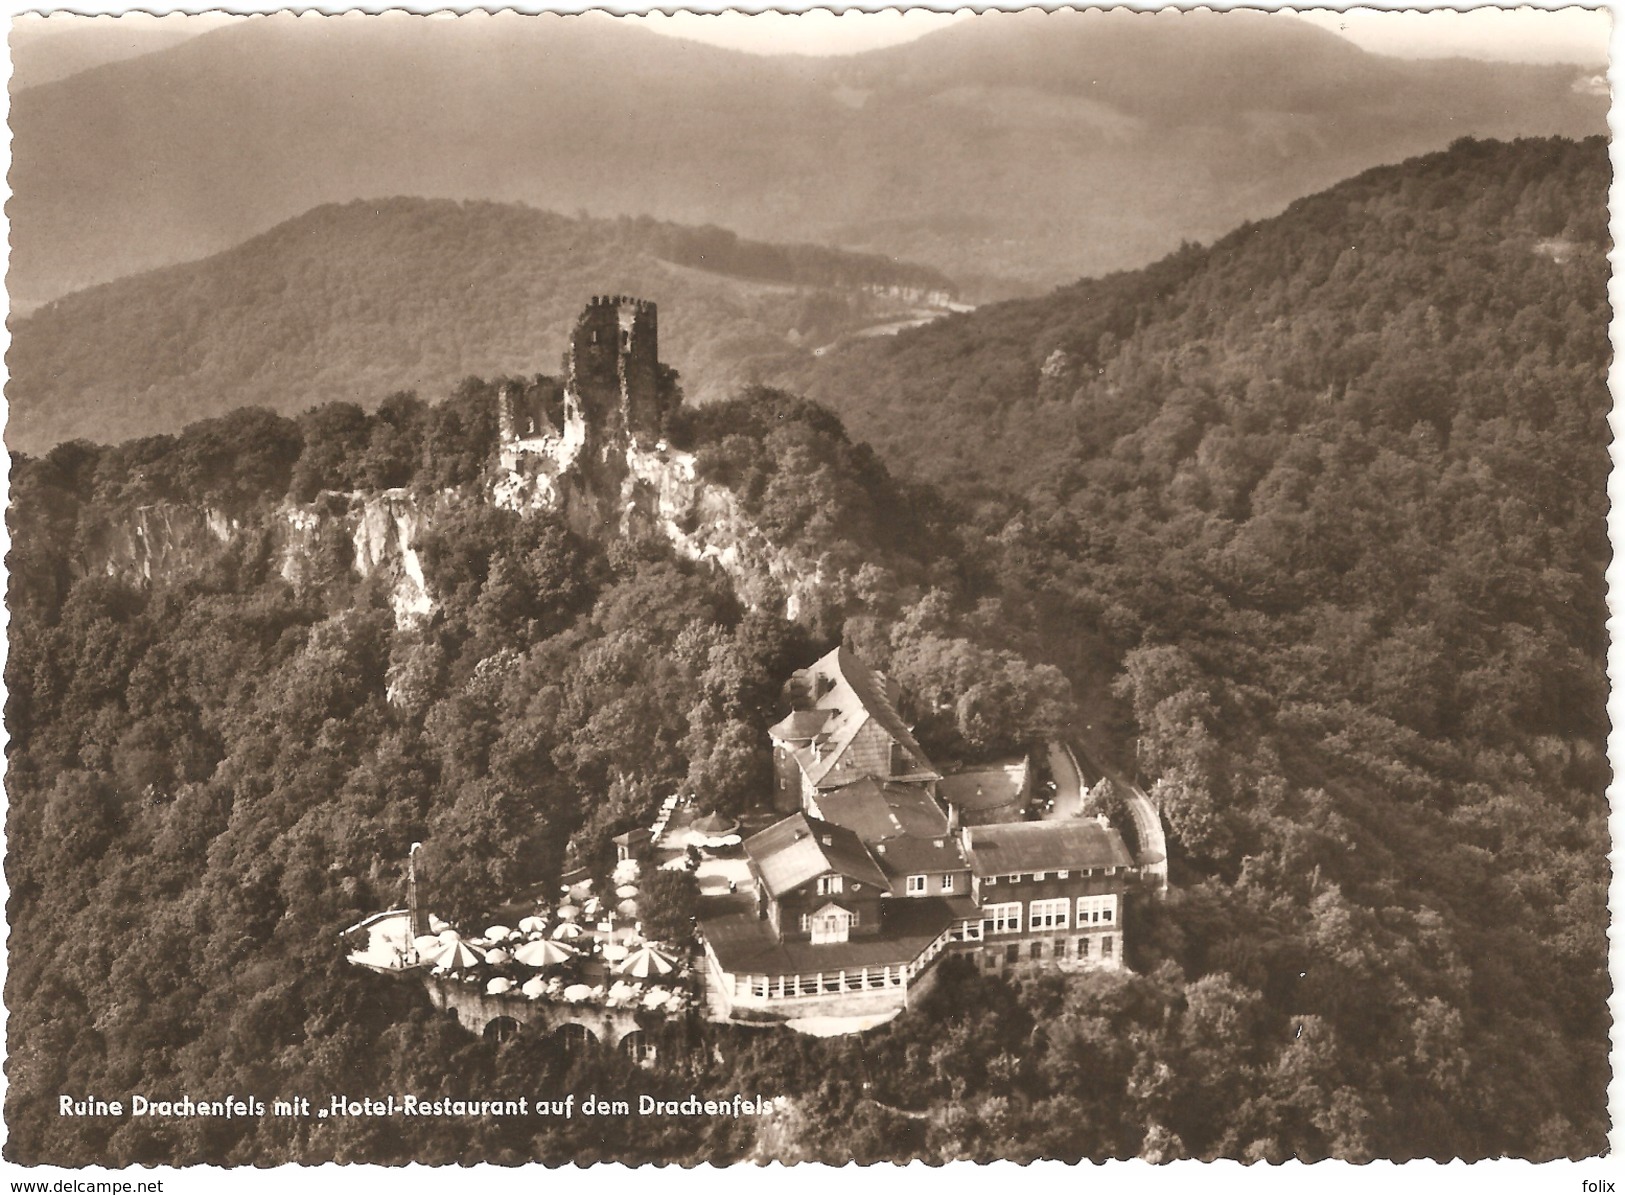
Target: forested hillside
{"type": "Point", "coordinates": [1333, 493]}
{"type": "Point", "coordinates": [1313, 517]}
{"type": "Point", "coordinates": [356, 301]}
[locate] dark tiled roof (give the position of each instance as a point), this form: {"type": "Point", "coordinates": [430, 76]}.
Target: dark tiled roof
{"type": "Point", "coordinates": [984, 788]}
{"type": "Point", "coordinates": [745, 945]}
{"type": "Point", "coordinates": [789, 853]}
{"type": "Point", "coordinates": [1044, 846]}
{"type": "Point", "coordinates": [874, 811]}
{"type": "Point", "coordinates": [799, 725]}
{"type": "Point", "coordinates": [919, 856]}
{"type": "Point", "coordinates": [962, 908]}
{"type": "Point", "coordinates": [855, 696]}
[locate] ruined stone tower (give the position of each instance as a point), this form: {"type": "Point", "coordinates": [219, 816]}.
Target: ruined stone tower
{"type": "Point", "coordinates": [613, 368]}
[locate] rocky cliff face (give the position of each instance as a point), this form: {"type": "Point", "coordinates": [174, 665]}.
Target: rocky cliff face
{"type": "Point", "coordinates": [602, 466]}
{"type": "Point", "coordinates": [306, 544]}
{"type": "Point", "coordinates": [613, 489]}
{"type": "Point", "coordinates": [617, 487]}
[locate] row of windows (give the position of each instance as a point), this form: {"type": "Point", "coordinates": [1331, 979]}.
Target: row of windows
{"type": "Point", "coordinates": [1049, 914]}
{"type": "Point", "coordinates": [850, 916]}
{"type": "Point", "coordinates": [918, 885]}
{"type": "Point", "coordinates": [1057, 948]}
{"type": "Point", "coordinates": [1023, 876]}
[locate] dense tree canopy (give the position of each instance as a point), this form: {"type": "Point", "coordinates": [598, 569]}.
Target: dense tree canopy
{"type": "Point", "coordinates": [1305, 530]}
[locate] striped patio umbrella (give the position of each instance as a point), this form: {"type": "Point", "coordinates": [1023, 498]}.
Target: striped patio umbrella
{"type": "Point", "coordinates": [566, 929]}
{"type": "Point", "coordinates": [544, 953]}
{"type": "Point", "coordinates": [646, 962]}
{"type": "Point", "coordinates": [456, 955]}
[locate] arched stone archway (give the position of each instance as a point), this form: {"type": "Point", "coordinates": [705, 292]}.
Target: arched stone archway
{"type": "Point", "coordinates": [574, 1036]}
{"type": "Point", "coordinates": [640, 1046]}
{"type": "Point", "coordinates": [500, 1029]}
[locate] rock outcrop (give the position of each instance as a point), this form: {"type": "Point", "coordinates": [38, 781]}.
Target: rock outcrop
{"type": "Point", "coordinates": [599, 461]}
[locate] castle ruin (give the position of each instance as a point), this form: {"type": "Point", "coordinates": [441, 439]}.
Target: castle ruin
{"type": "Point", "coordinates": [613, 381]}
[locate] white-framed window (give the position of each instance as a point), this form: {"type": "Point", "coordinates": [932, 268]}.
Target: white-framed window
{"type": "Point", "coordinates": [990, 880]}
{"type": "Point", "coordinates": [1097, 910]}
{"type": "Point", "coordinates": [831, 924]}
{"type": "Point", "coordinates": [1048, 914]}
{"type": "Point", "coordinates": [806, 922]}
{"type": "Point", "coordinates": [828, 885]}
{"type": "Point", "coordinates": [1062, 874]}
{"type": "Point", "coordinates": [916, 885]}
{"type": "Point", "coordinates": [1038, 875]}
{"type": "Point", "coordinates": [1003, 919]}
{"type": "Point", "coordinates": [948, 881]}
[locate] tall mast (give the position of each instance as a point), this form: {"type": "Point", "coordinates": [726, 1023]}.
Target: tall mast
{"type": "Point", "coordinates": [413, 918]}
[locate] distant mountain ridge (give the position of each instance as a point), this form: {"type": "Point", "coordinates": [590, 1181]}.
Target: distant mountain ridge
{"type": "Point", "coordinates": [1038, 146]}
{"type": "Point", "coordinates": [356, 301]}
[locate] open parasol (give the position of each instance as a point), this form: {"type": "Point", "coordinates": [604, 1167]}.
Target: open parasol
{"type": "Point", "coordinates": [714, 825]}
{"type": "Point", "coordinates": [544, 953]}
{"type": "Point", "coordinates": [646, 962]}
{"type": "Point", "coordinates": [455, 955]}
{"type": "Point", "coordinates": [566, 929]}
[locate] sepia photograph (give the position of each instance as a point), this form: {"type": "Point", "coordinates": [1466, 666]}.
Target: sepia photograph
{"type": "Point", "coordinates": [625, 589]}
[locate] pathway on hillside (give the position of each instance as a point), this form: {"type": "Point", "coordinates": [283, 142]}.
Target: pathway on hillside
{"type": "Point", "coordinates": [1068, 783]}
{"type": "Point", "coordinates": [1152, 855]}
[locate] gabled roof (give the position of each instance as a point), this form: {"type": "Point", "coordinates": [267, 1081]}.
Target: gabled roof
{"type": "Point", "coordinates": [919, 856]}
{"type": "Point", "coordinates": [744, 944]}
{"type": "Point", "coordinates": [1070, 845]}
{"type": "Point", "coordinates": [790, 853]}
{"type": "Point", "coordinates": [799, 726]}
{"type": "Point", "coordinates": [875, 811]}
{"type": "Point", "coordinates": [854, 695]}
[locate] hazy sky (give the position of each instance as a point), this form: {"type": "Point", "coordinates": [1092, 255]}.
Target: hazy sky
{"type": "Point", "coordinates": [1521, 35]}
{"type": "Point", "coordinates": [1525, 35]}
